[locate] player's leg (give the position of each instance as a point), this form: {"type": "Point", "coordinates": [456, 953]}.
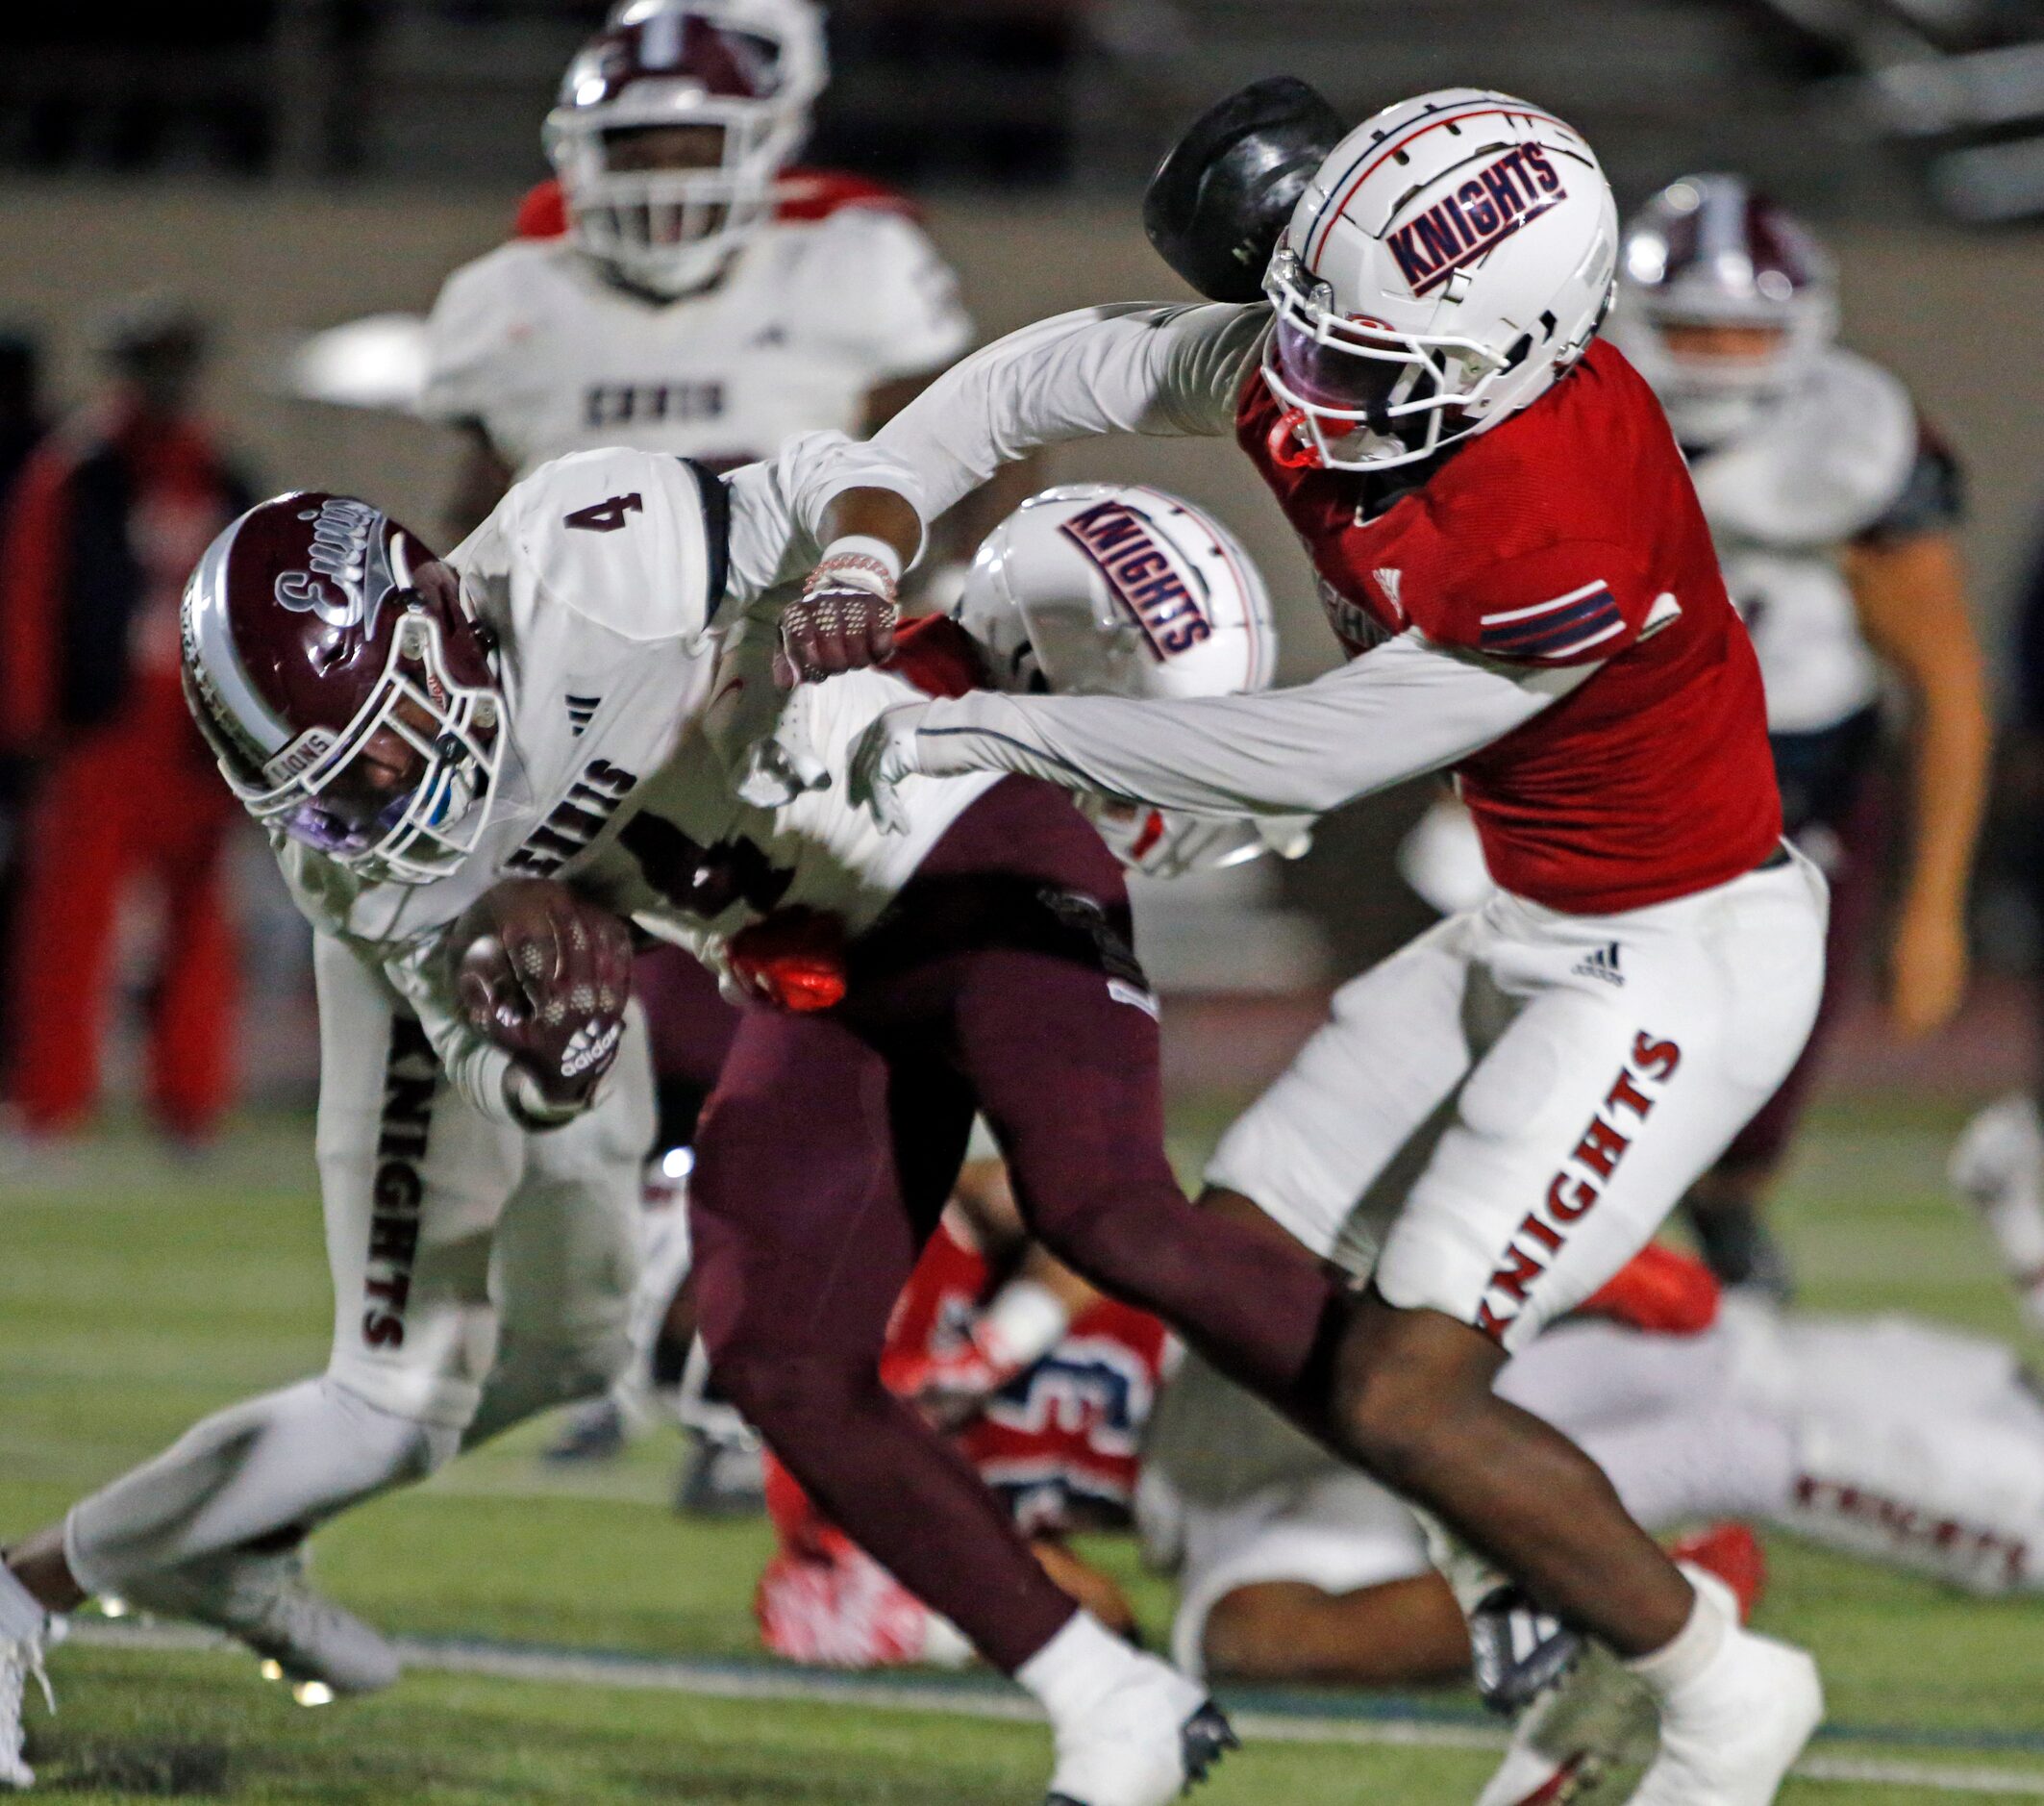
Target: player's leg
{"type": "Point", "coordinates": [198, 985]}
{"type": "Point", "coordinates": [411, 1183]}
{"type": "Point", "coordinates": [1055, 1028]}
{"type": "Point", "coordinates": [805, 1228]}
{"type": "Point", "coordinates": [567, 1251]}
{"type": "Point", "coordinates": [1585, 1122]}
{"type": "Point", "coordinates": [77, 859]}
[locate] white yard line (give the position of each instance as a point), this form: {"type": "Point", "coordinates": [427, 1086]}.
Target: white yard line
{"type": "Point", "coordinates": [893, 1694]}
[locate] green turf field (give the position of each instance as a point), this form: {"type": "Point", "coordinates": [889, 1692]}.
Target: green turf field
{"type": "Point", "coordinates": [136, 1294]}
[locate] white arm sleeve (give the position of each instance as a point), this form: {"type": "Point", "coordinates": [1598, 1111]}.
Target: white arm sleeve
{"type": "Point", "coordinates": [778, 506]}
{"type": "Point", "coordinates": [417, 972]}
{"type": "Point", "coordinates": [1167, 371]}
{"type": "Point", "coordinates": [1404, 708]}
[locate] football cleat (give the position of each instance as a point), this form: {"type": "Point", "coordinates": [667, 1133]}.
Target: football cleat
{"type": "Point", "coordinates": [1147, 1740]}
{"type": "Point", "coordinates": [1997, 1166]}
{"type": "Point", "coordinates": [1729, 1736]}
{"type": "Point", "coordinates": [594, 1432]}
{"type": "Point", "coordinates": [1573, 1735]}
{"type": "Point", "coordinates": [1516, 1650]}
{"type": "Point", "coordinates": [318, 1648]}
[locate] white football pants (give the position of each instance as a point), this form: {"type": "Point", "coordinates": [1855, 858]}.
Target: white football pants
{"type": "Point", "coordinates": [1497, 1118]}
{"type": "Point", "coordinates": [481, 1273]}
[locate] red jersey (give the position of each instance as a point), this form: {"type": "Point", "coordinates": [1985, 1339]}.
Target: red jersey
{"type": "Point", "coordinates": [1568, 534]}
{"type": "Point", "coordinates": [1060, 1443]}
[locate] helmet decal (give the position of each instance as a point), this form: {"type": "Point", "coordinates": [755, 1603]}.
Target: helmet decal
{"type": "Point", "coordinates": [1142, 576]}
{"type": "Point", "coordinates": [1462, 227]}
{"type": "Point", "coordinates": [348, 565]}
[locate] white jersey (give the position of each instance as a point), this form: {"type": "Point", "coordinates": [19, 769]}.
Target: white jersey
{"type": "Point", "coordinates": [1817, 471]}
{"type": "Point", "coordinates": [623, 661]}
{"type": "Point", "coordinates": [536, 345]}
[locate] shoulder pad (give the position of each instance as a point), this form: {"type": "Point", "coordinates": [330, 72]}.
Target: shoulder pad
{"type": "Point", "coordinates": [542, 213]}
{"type": "Point", "coordinates": [622, 538]}
{"type": "Point", "coordinates": [1824, 465]}
{"type": "Point", "coordinates": [801, 195]}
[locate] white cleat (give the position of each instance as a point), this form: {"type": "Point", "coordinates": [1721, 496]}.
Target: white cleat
{"type": "Point", "coordinates": [1596, 1716]}
{"type": "Point", "coordinates": [20, 1661]}
{"type": "Point", "coordinates": [320, 1649]}
{"type": "Point", "coordinates": [1142, 1742]}
{"type": "Point", "coordinates": [1729, 1736]}
{"type": "Point", "coordinates": [1998, 1165]}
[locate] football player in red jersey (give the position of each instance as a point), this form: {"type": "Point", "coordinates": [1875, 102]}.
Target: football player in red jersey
{"type": "Point", "coordinates": [1509, 546]}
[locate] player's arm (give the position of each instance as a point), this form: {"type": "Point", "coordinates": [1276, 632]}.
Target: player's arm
{"type": "Point", "coordinates": [1909, 590]}
{"type": "Point", "coordinates": [481, 479]}
{"type": "Point", "coordinates": [1407, 706]}
{"type": "Point", "coordinates": [1168, 372]}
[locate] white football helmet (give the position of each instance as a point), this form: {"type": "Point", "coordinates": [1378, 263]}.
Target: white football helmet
{"type": "Point", "coordinates": [1707, 251]}
{"type": "Point", "coordinates": [1118, 589]}
{"type": "Point", "coordinates": [1452, 257]}
{"type": "Point", "coordinates": [750, 68]}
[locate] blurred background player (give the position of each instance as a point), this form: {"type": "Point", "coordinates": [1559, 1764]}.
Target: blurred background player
{"type": "Point", "coordinates": [1998, 1163]}
{"type": "Point", "coordinates": [1834, 509]}
{"type": "Point", "coordinates": [681, 287]}
{"type": "Point", "coordinates": [109, 514]}
{"type": "Point", "coordinates": [22, 425]}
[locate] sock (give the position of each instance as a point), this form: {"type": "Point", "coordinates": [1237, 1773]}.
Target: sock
{"type": "Point", "coordinates": [1675, 1665]}
{"type": "Point", "coordinates": [22, 1618]}
{"type": "Point", "coordinates": [1071, 1671]}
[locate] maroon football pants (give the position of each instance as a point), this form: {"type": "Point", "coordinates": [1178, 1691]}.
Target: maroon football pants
{"type": "Point", "coordinates": [1000, 980]}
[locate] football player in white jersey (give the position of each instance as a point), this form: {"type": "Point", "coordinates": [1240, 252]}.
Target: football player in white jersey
{"type": "Point", "coordinates": [701, 296]}
{"type": "Point", "coordinates": [681, 287]}
{"type": "Point", "coordinates": [423, 739]}
{"type": "Point", "coordinates": [1833, 508]}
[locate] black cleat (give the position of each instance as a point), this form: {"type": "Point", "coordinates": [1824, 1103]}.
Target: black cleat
{"type": "Point", "coordinates": [1205, 1737]}
{"type": "Point", "coordinates": [1519, 1651]}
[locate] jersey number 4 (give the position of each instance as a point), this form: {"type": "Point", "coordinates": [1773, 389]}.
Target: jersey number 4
{"type": "Point", "coordinates": [604, 516]}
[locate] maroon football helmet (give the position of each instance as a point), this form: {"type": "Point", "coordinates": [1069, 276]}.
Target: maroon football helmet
{"type": "Point", "coordinates": [1707, 251]}
{"type": "Point", "coordinates": [746, 71]}
{"type": "Point", "coordinates": [346, 692]}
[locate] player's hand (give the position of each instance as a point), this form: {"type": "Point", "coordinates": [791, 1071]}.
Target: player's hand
{"type": "Point", "coordinates": [1927, 978]}
{"type": "Point", "coordinates": [948, 1390]}
{"type": "Point", "coordinates": [843, 620]}
{"type": "Point", "coordinates": [882, 757]}
{"type": "Point", "coordinates": [545, 975]}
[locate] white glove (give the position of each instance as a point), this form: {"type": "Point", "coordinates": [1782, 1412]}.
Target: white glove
{"type": "Point", "coordinates": [780, 768]}
{"type": "Point", "coordinates": [882, 755]}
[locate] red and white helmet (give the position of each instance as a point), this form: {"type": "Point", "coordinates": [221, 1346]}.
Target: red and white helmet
{"type": "Point", "coordinates": [751, 69]}
{"type": "Point", "coordinates": [1118, 589]}
{"type": "Point", "coordinates": [1452, 257]}
{"type": "Point", "coordinates": [323, 650]}
{"type": "Point", "coordinates": [1707, 251]}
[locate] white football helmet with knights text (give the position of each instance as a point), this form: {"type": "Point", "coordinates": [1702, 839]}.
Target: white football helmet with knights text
{"type": "Point", "coordinates": [1453, 257]}
{"type": "Point", "coordinates": [741, 73]}
{"type": "Point", "coordinates": [1118, 589]}
{"type": "Point", "coordinates": [1102, 589]}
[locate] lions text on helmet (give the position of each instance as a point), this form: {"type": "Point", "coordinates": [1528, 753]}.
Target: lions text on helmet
{"type": "Point", "coordinates": [1454, 255]}
{"type": "Point", "coordinates": [671, 125]}
{"type": "Point", "coordinates": [354, 707]}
